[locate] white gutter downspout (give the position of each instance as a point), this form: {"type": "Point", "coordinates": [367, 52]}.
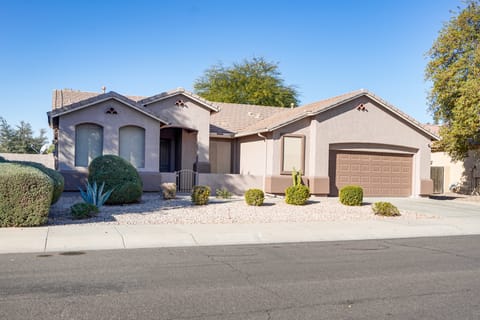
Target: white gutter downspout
{"type": "Point", "coordinates": [265, 160]}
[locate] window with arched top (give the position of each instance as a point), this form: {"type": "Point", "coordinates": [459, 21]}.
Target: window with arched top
{"type": "Point", "coordinates": [132, 145]}
{"type": "Point", "coordinates": [88, 143]}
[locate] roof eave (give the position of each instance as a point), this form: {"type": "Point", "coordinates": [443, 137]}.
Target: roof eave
{"type": "Point", "coordinates": [126, 101]}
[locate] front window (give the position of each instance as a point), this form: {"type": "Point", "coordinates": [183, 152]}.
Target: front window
{"type": "Point", "coordinates": [88, 143]}
{"type": "Point", "coordinates": [132, 145]}
{"type": "Point", "coordinates": [293, 153]}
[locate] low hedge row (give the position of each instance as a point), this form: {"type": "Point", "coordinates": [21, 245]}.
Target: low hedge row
{"type": "Point", "coordinates": [25, 195]}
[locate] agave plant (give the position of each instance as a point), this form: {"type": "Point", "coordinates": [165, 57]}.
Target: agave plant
{"type": "Point", "coordinates": [95, 195]}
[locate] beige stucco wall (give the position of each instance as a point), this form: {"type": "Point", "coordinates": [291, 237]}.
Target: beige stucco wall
{"type": "Point", "coordinates": [252, 155]}
{"type": "Point", "coordinates": [111, 124]}
{"type": "Point", "coordinates": [342, 128]}
{"type": "Point", "coordinates": [376, 129]}
{"type": "Point", "coordinates": [453, 171]}
{"type": "Point", "coordinates": [46, 159]}
{"type": "Point", "coordinates": [235, 183]}
{"type": "Point", "coordinates": [464, 172]}
{"type": "Point", "coordinates": [191, 116]}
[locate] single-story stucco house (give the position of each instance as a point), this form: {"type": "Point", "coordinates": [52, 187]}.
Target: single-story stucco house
{"type": "Point", "coordinates": [355, 138]}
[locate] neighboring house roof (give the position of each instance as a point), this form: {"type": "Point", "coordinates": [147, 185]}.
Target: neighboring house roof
{"type": "Point", "coordinates": [292, 115]}
{"type": "Point", "coordinates": [94, 99]}
{"type": "Point", "coordinates": [235, 117]}
{"type": "Point", "coordinates": [433, 128]}
{"type": "Point", "coordinates": [168, 94]}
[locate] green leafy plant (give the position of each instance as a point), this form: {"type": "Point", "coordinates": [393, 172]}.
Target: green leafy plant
{"type": "Point", "coordinates": [94, 195]}
{"type": "Point", "coordinates": [25, 195]}
{"type": "Point", "coordinates": [200, 195]}
{"type": "Point", "coordinates": [118, 174]}
{"type": "Point", "coordinates": [297, 193]}
{"type": "Point", "coordinates": [385, 209]}
{"type": "Point", "coordinates": [351, 195]}
{"type": "Point", "coordinates": [223, 193]}
{"type": "Point", "coordinates": [254, 197]}
{"type": "Point", "coordinates": [83, 210]}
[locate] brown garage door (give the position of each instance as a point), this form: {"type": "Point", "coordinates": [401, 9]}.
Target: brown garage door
{"type": "Point", "coordinates": [379, 174]}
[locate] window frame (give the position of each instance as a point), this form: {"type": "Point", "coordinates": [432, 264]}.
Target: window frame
{"type": "Point", "coordinates": [144, 156]}
{"type": "Point", "coordinates": [302, 153]}
{"type": "Point", "coordinates": [76, 150]}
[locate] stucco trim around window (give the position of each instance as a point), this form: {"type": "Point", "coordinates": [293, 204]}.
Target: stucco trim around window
{"type": "Point", "coordinates": [292, 153]}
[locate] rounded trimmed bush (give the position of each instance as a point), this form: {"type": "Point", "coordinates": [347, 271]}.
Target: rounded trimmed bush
{"type": "Point", "coordinates": [297, 195]}
{"type": "Point", "coordinates": [58, 180]}
{"type": "Point", "coordinates": [119, 175]}
{"type": "Point", "coordinates": [351, 195]}
{"type": "Point", "coordinates": [200, 195]}
{"type": "Point", "coordinates": [25, 195]}
{"type": "Point", "coordinates": [254, 197]}
{"type": "Point", "coordinates": [385, 209]}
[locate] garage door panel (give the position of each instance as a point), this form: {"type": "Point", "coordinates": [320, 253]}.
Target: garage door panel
{"type": "Point", "coordinates": [379, 174]}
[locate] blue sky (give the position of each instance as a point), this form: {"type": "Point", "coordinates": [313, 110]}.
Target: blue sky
{"type": "Point", "coordinates": [147, 47]}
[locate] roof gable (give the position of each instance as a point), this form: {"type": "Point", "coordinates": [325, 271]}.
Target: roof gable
{"type": "Point", "coordinates": [96, 99]}
{"type": "Point", "coordinates": [165, 95]}
{"type": "Point", "coordinates": [279, 120]}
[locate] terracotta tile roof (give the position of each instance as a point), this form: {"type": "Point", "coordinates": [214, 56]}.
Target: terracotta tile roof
{"type": "Point", "coordinates": [66, 97]}
{"type": "Point", "coordinates": [234, 117]}
{"type": "Point", "coordinates": [230, 118]}
{"type": "Point", "coordinates": [148, 100]}
{"type": "Point", "coordinates": [291, 115]}
{"type": "Point", "coordinates": [93, 99]}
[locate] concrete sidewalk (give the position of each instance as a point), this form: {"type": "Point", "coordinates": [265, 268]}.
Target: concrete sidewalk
{"type": "Point", "coordinates": [99, 237]}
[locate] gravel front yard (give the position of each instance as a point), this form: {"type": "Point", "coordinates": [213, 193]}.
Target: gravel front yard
{"type": "Point", "coordinates": [154, 210]}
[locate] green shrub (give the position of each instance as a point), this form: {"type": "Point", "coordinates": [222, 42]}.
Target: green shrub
{"type": "Point", "coordinates": [25, 195]}
{"type": "Point", "coordinates": [297, 194]}
{"type": "Point", "coordinates": [351, 195]}
{"type": "Point", "coordinates": [254, 197]}
{"type": "Point", "coordinates": [119, 175]}
{"type": "Point", "coordinates": [385, 209]}
{"type": "Point", "coordinates": [57, 178]}
{"type": "Point", "coordinates": [200, 195]}
{"type": "Point", "coordinates": [83, 210]}
{"type": "Point", "coordinates": [223, 193]}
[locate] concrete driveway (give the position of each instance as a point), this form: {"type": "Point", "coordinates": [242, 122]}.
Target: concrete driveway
{"type": "Point", "coordinates": [446, 208]}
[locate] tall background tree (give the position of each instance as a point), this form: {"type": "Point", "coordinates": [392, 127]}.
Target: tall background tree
{"type": "Point", "coordinates": [20, 139]}
{"type": "Point", "coordinates": [255, 81]}
{"type": "Point", "coordinates": [454, 69]}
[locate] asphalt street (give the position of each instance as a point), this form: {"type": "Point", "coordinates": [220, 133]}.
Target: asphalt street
{"type": "Point", "coordinates": [422, 278]}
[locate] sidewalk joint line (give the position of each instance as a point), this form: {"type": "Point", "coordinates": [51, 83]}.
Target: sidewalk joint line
{"type": "Point", "coordinates": [121, 236]}
{"type": "Point", "coordinates": [46, 240]}
{"type": "Point", "coordinates": [193, 237]}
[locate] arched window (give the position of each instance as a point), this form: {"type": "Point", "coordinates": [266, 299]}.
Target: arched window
{"type": "Point", "coordinates": [132, 145]}
{"type": "Point", "coordinates": [88, 143]}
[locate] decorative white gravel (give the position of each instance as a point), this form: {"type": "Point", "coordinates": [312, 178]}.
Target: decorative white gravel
{"type": "Point", "coordinates": [154, 210]}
